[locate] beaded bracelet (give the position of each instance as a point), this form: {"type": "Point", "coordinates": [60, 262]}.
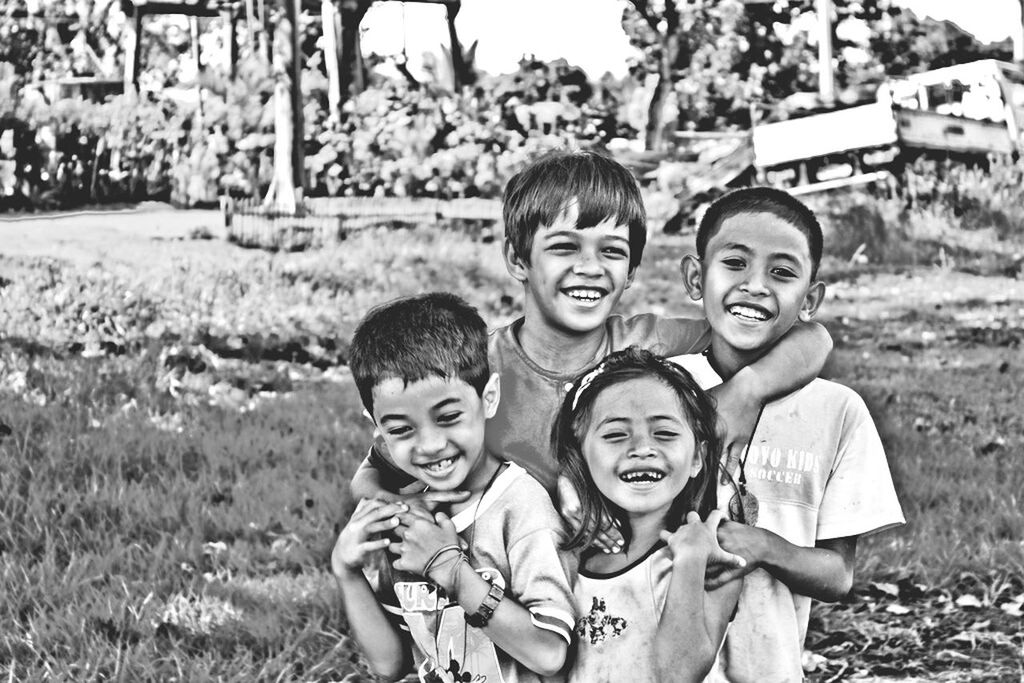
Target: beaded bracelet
{"type": "Point", "coordinates": [440, 551]}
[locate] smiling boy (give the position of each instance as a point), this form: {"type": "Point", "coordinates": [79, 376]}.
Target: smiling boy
{"type": "Point", "coordinates": [815, 477]}
{"type": "Point", "coordinates": [482, 595]}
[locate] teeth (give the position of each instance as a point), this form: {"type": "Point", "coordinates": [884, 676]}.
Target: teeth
{"type": "Point", "coordinates": [585, 294]}
{"type": "Point", "coordinates": [748, 312]}
{"type": "Point", "coordinates": [642, 475]}
{"type": "Point", "coordinates": [439, 465]}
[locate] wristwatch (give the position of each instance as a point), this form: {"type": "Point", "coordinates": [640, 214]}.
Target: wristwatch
{"type": "Point", "coordinates": [486, 609]}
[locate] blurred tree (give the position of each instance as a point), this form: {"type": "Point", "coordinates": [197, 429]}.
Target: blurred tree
{"type": "Point", "coordinates": [705, 63]}
{"type": "Point", "coordinates": [690, 50]}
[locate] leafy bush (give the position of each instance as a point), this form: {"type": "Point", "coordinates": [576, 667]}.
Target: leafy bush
{"type": "Point", "coordinates": [394, 139]}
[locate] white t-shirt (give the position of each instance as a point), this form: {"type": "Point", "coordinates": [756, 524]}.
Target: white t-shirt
{"type": "Point", "coordinates": [818, 469]}
{"type": "Point", "coordinates": [513, 536]}
{"type": "Point", "coordinates": [619, 615]}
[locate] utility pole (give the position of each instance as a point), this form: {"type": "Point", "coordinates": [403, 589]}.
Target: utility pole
{"type": "Point", "coordinates": [826, 76]}
{"type": "Point", "coordinates": [1018, 36]}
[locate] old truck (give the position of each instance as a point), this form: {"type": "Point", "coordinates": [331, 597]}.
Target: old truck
{"type": "Point", "coordinates": [963, 112]}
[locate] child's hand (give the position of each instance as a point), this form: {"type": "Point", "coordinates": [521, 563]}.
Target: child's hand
{"type": "Point", "coordinates": [357, 541]}
{"type": "Point", "coordinates": [421, 538]}
{"type": "Point", "coordinates": [697, 538]}
{"type": "Point", "coordinates": [746, 542]}
{"type": "Point", "coordinates": [737, 420]}
{"type": "Point", "coordinates": [424, 500]}
{"type": "Point", "coordinates": [609, 538]}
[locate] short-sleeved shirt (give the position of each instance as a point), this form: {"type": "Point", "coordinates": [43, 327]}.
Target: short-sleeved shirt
{"type": "Point", "coordinates": [531, 395]}
{"type": "Point", "coordinates": [818, 470]}
{"type": "Point", "coordinates": [514, 537]}
{"type": "Point", "coordinates": [619, 617]}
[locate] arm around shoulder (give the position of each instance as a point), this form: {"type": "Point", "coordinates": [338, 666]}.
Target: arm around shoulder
{"type": "Point", "coordinates": [794, 361]}
{"type": "Point", "coordinates": [824, 572]}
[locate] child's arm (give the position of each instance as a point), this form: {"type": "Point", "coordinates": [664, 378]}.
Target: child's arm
{"type": "Point", "coordinates": [510, 627]}
{"type": "Point", "coordinates": [791, 363]}
{"type": "Point", "coordinates": [386, 651]}
{"type": "Point", "coordinates": [694, 620]}
{"type": "Point", "coordinates": [824, 572]}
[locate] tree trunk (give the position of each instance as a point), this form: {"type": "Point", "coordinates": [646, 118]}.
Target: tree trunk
{"type": "Point", "coordinates": [655, 137]}
{"type": "Point", "coordinates": [332, 57]}
{"type": "Point", "coordinates": [1018, 36]}
{"type": "Point", "coordinates": [284, 192]}
{"type": "Point", "coordinates": [352, 77]}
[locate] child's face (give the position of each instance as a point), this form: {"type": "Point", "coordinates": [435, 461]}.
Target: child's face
{"type": "Point", "coordinates": [755, 281]}
{"type": "Point", "coordinates": [434, 428]}
{"type": "Point", "coordinates": [575, 277]}
{"type": "Point", "coordinates": [639, 446]}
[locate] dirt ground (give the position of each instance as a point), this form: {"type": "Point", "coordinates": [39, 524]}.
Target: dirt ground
{"type": "Point", "coordinates": [86, 237]}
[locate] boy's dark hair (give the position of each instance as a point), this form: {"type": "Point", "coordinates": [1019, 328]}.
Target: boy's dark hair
{"type": "Point", "coordinates": [762, 200]}
{"type": "Point", "coordinates": [416, 337]}
{"type": "Point", "coordinates": [601, 187]}
{"type": "Point", "coordinates": [574, 416]}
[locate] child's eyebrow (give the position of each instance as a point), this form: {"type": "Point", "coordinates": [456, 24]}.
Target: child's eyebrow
{"type": "Point", "coordinates": [444, 403]}
{"type": "Point", "coordinates": [739, 246]}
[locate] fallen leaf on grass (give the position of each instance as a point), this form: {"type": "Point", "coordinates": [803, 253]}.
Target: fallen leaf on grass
{"type": "Point", "coordinates": [1012, 608]}
{"type": "Point", "coordinates": [952, 656]}
{"type": "Point", "coordinates": [968, 600]}
{"type": "Point", "coordinates": [887, 588]}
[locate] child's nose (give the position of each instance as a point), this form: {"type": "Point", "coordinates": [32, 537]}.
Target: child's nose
{"type": "Point", "coordinates": [755, 282]}
{"type": "Point", "coordinates": [641, 447]}
{"type": "Point", "coordinates": [587, 264]}
{"type": "Point", "coordinates": [431, 440]}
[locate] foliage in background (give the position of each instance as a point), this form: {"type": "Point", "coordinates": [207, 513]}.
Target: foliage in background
{"type": "Point", "coordinates": [946, 214]}
{"type": "Point", "coordinates": [394, 140]}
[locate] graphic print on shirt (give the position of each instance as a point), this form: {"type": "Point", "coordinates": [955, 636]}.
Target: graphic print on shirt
{"type": "Point", "coordinates": [456, 652]}
{"type": "Point", "coordinates": [780, 465]}
{"type": "Point", "coordinates": [598, 626]}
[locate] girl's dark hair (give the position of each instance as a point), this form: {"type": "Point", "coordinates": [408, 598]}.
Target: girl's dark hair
{"type": "Point", "coordinates": [574, 417]}
{"type": "Point", "coordinates": [600, 187]}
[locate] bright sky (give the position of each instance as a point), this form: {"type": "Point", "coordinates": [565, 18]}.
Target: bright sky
{"type": "Point", "coordinates": [587, 32]}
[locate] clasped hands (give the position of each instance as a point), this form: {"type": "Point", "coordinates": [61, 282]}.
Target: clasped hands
{"type": "Point", "coordinates": [406, 526]}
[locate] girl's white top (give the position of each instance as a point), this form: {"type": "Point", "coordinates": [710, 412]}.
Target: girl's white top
{"type": "Point", "coordinates": [619, 617]}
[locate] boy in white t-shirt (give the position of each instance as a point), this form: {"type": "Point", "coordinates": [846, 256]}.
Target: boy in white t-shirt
{"type": "Point", "coordinates": [814, 477]}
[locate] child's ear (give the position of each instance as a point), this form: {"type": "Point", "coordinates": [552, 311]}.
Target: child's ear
{"type": "Point", "coordinates": [812, 301]}
{"type": "Point", "coordinates": [698, 459]}
{"type": "Point", "coordinates": [515, 265]}
{"type": "Point", "coordinates": [491, 395]}
{"type": "Point", "coordinates": [693, 273]}
{"type": "Point", "coordinates": [629, 278]}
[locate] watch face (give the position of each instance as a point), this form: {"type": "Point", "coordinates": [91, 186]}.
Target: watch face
{"type": "Point", "coordinates": [486, 609]}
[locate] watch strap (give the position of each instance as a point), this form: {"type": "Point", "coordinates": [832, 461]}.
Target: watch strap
{"type": "Point", "coordinates": [487, 606]}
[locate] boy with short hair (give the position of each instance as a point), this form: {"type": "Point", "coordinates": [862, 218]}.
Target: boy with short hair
{"type": "Point", "coordinates": [575, 231]}
{"type": "Point", "coordinates": [484, 594]}
{"type": "Point", "coordinates": [815, 476]}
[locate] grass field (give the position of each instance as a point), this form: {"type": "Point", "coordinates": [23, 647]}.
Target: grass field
{"type": "Point", "coordinates": [177, 431]}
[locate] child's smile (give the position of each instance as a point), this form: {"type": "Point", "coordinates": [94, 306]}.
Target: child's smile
{"type": "Point", "coordinates": [576, 276]}
{"type": "Point", "coordinates": [639, 447]}
{"type": "Point", "coordinates": [434, 429]}
{"type": "Point", "coordinates": [755, 280]}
